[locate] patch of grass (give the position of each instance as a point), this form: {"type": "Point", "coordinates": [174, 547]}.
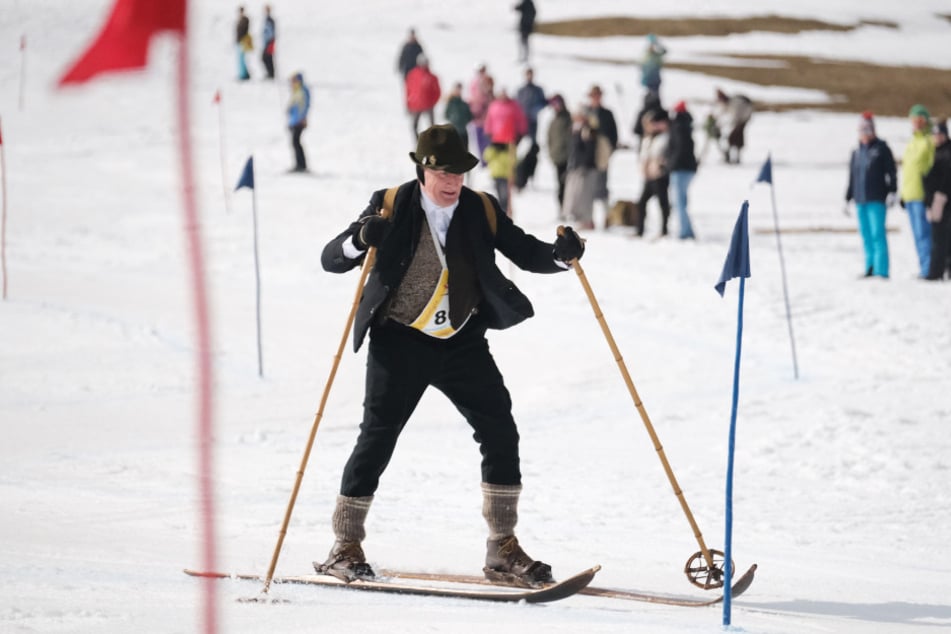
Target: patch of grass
{"type": "Point", "coordinates": [670, 27]}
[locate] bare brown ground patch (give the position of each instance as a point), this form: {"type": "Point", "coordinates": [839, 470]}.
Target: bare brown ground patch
{"type": "Point", "coordinates": [679, 27]}
{"type": "Point", "coordinates": [851, 86]}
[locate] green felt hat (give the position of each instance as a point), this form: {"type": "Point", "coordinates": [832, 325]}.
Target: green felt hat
{"type": "Point", "coordinates": [440, 147]}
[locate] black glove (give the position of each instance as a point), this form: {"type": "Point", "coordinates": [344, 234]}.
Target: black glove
{"type": "Point", "coordinates": [568, 245]}
{"type": "Point", "coordinates": [372, 232]}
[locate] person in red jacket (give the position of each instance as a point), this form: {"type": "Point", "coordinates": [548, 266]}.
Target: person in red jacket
{"type": "Point", "coordinates": [505, 122]}
{"type": "Point", "coordinates": [422, 93]}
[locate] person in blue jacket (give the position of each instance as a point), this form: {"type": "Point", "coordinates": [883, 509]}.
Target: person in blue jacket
{"type": "Point", "coordinates": [269, 37]}
{"type": "Point", "coordinates": [872, 184]}
{"type": "Point", "coordinates": [297, 119]}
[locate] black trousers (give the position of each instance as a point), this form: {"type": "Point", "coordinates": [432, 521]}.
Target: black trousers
{"type": "Point", "coordinates": [268, 61]}
{"type": "Point", "coordinates": [655, 187]}
{"type": "Point", "coordinates": [561, 170]}
{"type": "Point", "coordinates": [299, 158]}
{"type": "Point", "coordinates": [401, 364]}
{"type": "Point", "coordinates": [941, 246]}
{"type": "Point", "coordinates": [416, 116]}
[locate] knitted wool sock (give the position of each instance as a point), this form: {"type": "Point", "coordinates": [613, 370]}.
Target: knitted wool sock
{"type": "Point", "coordinates": [500, 508]}
{"type": "Point", "coordinates": [349, 517]}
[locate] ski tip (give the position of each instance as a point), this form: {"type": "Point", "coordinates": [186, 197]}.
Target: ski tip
{"type": "Point", "coordinates": [745, 581]}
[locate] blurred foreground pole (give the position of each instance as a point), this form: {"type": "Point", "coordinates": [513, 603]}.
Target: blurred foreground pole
{"type": "Point", "coordinates": [737, 264]}
{"type": "Point", "coordinates": [123, 44]}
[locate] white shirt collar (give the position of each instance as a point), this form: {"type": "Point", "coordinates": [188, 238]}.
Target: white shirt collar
{"type": "Point", "coordinates": [437, 217]}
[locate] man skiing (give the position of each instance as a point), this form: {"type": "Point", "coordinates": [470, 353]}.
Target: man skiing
{"type": "Point", "coordinates": [433, 292]}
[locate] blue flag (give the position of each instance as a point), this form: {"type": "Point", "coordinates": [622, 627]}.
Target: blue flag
{"type": "Point", "coordinates": [738, 258]}
{"type": "Point", "coordinates": [247, 176]}
{"type": "Point", "coordinates": [766, 173]}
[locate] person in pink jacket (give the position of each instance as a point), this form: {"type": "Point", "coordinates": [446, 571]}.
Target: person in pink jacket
{"type": "Point", "coordinates": [481, 88]}
{"type": "Point", "coordinates": [422, 93]}
{"type": "Point", "coordinates": [505, 122]}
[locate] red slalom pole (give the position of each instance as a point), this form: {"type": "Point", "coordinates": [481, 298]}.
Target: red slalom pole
{"type": "Point", "coordinates": [203, 329]}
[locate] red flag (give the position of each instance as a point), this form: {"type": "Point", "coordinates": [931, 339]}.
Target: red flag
{"type": "Point", "coordinates": [217, 98]}
{"type": "Point", "coordinates": [123, 43]}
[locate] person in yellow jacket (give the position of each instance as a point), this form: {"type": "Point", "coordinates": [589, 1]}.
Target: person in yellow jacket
{"type": "Point", "coordinates": [500, 158]}
{"type": "Point", "coordinates": [916, 163]}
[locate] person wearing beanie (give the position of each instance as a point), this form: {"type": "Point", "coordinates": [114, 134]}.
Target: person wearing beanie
{"type": "Point", "coordinates": [937, 192]}
{"type": "Point", "coordinates": [872, 185]}
{"type": "Point", "coordinates": [916, 163]}
{"type": "Point", "coordinates": [682, 162]}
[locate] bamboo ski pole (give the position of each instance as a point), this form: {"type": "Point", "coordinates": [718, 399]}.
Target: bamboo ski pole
{"type": "Point", "coordinates": [576, 265]}
{"type": "Point", "coordinates": [367, 266]}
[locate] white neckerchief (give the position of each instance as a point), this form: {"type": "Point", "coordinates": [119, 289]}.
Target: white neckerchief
{"type": "Point", "coordinates": [437, 217]}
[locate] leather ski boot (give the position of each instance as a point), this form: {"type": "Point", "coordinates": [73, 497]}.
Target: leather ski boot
{"type": "Point", "coordinates": [346, 562]}
{"type": "Point", "coordinates": [506, 562]}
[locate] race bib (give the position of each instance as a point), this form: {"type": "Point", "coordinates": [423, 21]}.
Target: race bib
{"type": "Point", "coordinates": [434, 320]}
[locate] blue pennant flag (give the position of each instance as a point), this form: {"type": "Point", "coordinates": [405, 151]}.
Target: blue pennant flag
{"type": "Point", "coordinates": [766, 173]}
{"type": "Point", "coordinates": [738, 258]}
{"type": "Point", "coordinates": [247, 176]}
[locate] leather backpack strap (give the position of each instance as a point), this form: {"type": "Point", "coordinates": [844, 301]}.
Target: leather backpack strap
{"type": "Point", "coordinates": [489, 212]}
{"type": "Point", "coordinates": [388, 199]}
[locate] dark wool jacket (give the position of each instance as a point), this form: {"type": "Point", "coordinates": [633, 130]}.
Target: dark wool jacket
{"type": "Point", "coordinates": [871, 173]}
{"type": "Point", "coordinates": [582, 149]}
{"type": "Point", "coordinates": [408, 55]}
{"type": "Point", "coordinates": [475, 282]}
{"type": "Point", "coordinates": [606, 124]}
{"type": "Point", "coordinates": [680, 150]}
{"type": "Point", "coordinates": [939, 178]}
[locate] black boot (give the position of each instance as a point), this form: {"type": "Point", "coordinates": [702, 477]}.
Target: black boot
{"type": "Point", "coordinates": [506, 562]}
{"type": "Point", "coordinates": [346, 562]}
